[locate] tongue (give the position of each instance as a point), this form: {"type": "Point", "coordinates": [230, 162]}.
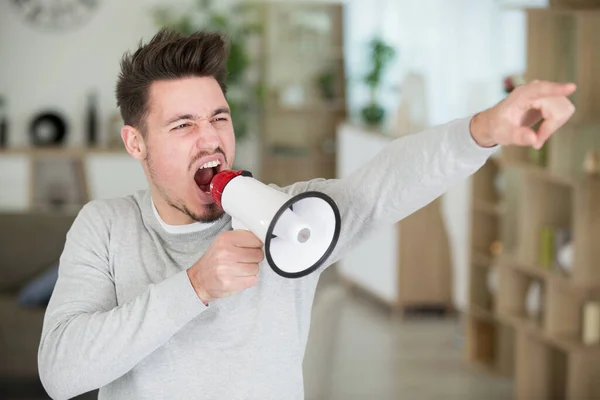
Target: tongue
{"type": "Point", "coordinates": [203, 178]}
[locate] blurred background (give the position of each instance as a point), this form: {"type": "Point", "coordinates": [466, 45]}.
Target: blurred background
{"type": "Point", "coordinates": [491, 291]}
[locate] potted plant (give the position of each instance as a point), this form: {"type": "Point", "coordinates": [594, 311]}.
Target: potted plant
{"type": "Point", "coordinates": [381, 55]}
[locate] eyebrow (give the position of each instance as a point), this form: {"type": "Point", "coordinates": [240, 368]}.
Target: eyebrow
{"type": "Point", "coordinates": [221, 110]}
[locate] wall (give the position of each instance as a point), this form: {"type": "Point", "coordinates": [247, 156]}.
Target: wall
{"type": "Point", "coordinates": [461, 47]}
{"type": "Point", "coordinates": [55, 70]}
{"type": "Point", "coordinates": [41, 70]}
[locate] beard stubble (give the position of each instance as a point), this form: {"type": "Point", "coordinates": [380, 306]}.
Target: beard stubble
{"type": "Point", "coordinates": [212, 211]}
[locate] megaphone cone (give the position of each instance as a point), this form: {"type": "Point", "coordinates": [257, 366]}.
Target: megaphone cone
{"type": "Point", "coordinates": [299, 232]}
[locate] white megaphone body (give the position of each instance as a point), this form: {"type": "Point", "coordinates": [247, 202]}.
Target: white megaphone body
{"type": "Point", "coordinates": [298, 232]}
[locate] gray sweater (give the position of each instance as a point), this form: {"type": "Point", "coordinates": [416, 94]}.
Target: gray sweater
{"type": "Point", "coordinates": [124, 317]}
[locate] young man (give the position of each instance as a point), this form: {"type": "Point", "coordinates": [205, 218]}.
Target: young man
{"type": "Point", "coordinates": [158, 298]}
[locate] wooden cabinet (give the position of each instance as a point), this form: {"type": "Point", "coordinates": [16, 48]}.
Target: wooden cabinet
{"type": "Point", "coordinates": [65, 178]}
{"type": "Point", "coordinates": [405, 265]}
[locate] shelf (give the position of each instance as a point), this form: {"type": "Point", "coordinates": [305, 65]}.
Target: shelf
{"type": "Point", "coordinates": [524, 203]}
{"type": "Point", "coordinates": [311, 108]}
{"type": "Point", "coordinates": [542, 173]}
{"type": "Point", "coordinates": [482, 314]}
{"type": "Point", "coordinates": [482, 260]}
{"type": "Point", "coordinates": [490, 342]}
{"type": "Point", "coordinates": [583, 292]}
{"type": "Point", "coordinates": [530, 270]}
{"type": "Point", "coordinates": [488, 207]}
{"type": "Point", "coordinates": [558, 10]}
{"type": "Point", "coordinates": [59, 151]}
{"type": "Point", "coordinates": [311, 104]}
{"type": "Point", "coordinates": [568, 344]}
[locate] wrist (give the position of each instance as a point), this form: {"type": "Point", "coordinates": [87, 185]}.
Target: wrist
{"type": "Point", "coordinates": [479, 128]}
{"type": "Point", "coordinates": [200, 292]}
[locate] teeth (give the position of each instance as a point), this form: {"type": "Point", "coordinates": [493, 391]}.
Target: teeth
{"type": "Point", "coordinates": [210, 164]}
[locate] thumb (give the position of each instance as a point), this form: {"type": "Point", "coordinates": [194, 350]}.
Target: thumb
{"type": "Point", "coordinates": [524, 136]}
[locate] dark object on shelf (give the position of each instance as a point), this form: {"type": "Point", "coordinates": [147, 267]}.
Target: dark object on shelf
{"type": "Point", "coordinates": [3, 124]}
{"type": "Point", "coordinates": [3, 131]}
{"type": "Point", "coordinates": [48, 129]}
{"type": "Point", "coordinates": [92, 120]}
{"type": "Point", "coordinates": [373, 114]}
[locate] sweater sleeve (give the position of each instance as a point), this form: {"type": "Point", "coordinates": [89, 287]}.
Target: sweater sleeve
{"type": "Point", "coordinates": [408, 174]}
{"type": "Point", "coordinates": [87, 339]}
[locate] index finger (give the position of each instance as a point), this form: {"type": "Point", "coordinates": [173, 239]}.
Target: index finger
{"type": "Point", "coordinates": [245, 239]}
{"type": "Point", "coordinates": [540, 89]}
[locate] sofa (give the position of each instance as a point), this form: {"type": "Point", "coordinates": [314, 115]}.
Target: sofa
{"type": "Point", "coordinates": [30, 244]}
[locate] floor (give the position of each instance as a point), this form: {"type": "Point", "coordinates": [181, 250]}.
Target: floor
{"type": "Point", "coordinates": [358, 350]}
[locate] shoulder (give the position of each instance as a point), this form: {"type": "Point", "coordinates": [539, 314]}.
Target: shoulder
{"type": "Point", "coordinates": [107, 212]}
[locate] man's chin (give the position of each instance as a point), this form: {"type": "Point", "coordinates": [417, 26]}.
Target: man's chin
{"type": "Point", "coordinates": [210, 213]}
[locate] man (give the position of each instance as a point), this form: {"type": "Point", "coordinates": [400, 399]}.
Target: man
{"type": "Point", "coordinates": [158, 298]}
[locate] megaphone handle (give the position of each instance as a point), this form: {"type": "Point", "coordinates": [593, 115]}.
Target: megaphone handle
{"type": "Point", "coordinates": [237, 225]}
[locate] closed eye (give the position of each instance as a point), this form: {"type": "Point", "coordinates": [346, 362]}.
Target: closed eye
{"type": "Point", "coordinates": [182, 126]}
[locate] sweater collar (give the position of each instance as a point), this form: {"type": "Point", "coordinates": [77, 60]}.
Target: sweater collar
{"type": "Point", "coordinates": [207, 231]}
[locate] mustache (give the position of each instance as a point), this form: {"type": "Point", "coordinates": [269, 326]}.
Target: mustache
{"type": "Point", "coordinates": [205, 154]}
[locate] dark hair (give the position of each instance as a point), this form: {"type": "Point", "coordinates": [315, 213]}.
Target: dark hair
{"type": "Point", "coordinates": [168, 55]}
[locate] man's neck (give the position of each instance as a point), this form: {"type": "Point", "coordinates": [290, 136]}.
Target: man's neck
{"type": "Point", "coordinates": [168, 214]}
{"type": "Point", "coordinates": [184, 228]}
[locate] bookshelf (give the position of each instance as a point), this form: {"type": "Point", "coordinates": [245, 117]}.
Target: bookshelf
{"type": "Point", "coordinates": [305, 98]}
{"type": "Point", "coordinates": [531, 307]}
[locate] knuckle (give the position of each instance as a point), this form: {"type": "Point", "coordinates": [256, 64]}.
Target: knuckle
{"type": "Point", "coordinates": [252, 269]}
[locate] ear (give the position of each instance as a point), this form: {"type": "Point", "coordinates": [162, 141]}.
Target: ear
{"type": "Point", "coordinates": [134, 142]}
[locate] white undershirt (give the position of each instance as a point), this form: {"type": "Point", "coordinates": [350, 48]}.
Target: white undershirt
{"type": "Point", "coordinates": [180, 229]}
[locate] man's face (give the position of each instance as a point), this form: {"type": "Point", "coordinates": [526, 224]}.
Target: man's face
{"type": "Point", "coordinates": [189, 137]}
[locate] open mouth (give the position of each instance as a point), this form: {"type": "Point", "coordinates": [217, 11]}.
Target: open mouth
{"type": "Point", "coordinates": [205, 173]}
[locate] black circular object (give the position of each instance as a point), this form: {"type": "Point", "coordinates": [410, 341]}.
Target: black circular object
{"type": "Point", "coordinates": [330, 249]}
{"type": "Point", "coordinates": [48, 129]}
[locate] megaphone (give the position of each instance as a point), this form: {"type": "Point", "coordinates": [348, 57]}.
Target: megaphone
{"type": "Point", "coordinates": [298, 232]}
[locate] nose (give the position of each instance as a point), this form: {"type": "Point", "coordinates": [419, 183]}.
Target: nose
{"type": "Point", "coordinates": [208, 138]}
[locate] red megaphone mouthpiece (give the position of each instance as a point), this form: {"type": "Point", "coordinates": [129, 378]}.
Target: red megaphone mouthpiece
{"type": "Point", "coordinates": [220, 180]}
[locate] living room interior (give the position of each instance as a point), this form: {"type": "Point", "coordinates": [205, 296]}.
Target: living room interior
{"type": "Point", "coordinates": [490, 291]}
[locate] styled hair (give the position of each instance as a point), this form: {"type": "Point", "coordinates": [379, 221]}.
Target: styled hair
{"type": "Point", "coordinates": [168, 55]}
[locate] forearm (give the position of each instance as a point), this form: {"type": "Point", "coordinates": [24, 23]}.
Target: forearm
{"type": "Point", "coordinates": [414, 170]}
{"type": "Point", "coordinates": [407, 175]}
{"type": "Point", "coordinates": [82, 351]}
